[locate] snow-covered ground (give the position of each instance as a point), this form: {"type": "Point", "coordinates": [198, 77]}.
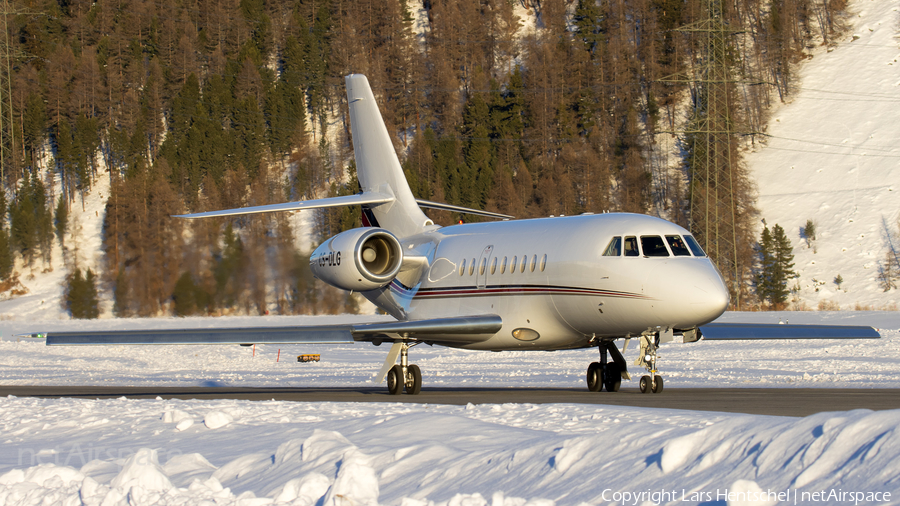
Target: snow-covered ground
{"type": "Point", "coordinates": [125, 451]}
{"type": "Point", "coordinates": [832, 157]}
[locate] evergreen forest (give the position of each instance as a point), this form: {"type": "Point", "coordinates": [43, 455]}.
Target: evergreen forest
{"type": "Point", "coordinates": [526, 107]}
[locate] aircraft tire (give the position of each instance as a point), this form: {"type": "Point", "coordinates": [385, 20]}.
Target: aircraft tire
{"type": "Point", "coordinates": [657, 384]}
{"type": "Point", "coordinates": [612, 377]}
{"type": "Point", "coordinates": [595, 377]}
{"type": "Point", "coordinates": [416, 375]}
{"type": "Point", "coordinates": [645, 384]}
{"type": "Point", "coordinates": [395, 380]}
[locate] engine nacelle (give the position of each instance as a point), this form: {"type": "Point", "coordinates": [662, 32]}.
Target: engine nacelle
{"type": "Point", "coordinates": [359, 260]}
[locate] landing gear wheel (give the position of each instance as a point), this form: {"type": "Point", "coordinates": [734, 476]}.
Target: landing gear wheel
{"type": "Point", "coordinates": [612, 378]}
{"type": "Point", "coordinates": [645, 384]}
{"type": "Point", "coordinates": [595, 377]}
{"type": "Point", "coordinates": [413, 380]}
{"type": "Point", "coordinates": [657, 386]}
{"type": "Point", "coordinates": [395, 380]}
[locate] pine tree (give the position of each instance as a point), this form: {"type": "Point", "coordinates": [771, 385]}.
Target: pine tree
{"type": "Point", "coordinates": [186, 296]}
{"type": "Point", "coordinates": [81, 295]}
{"type": "Point", "coordinates": [61, 220]}
{"type": "Point", "coordinates": [6, 254]}
{"type": "Point", "coordinates": [776, 263]}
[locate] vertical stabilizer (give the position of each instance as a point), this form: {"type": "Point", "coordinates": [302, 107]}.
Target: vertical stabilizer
{"type": "Point", "coordinates": [377, 165]}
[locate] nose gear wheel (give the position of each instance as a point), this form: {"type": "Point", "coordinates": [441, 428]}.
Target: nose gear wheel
{"type": "Point", "coordinates": [648, 358]}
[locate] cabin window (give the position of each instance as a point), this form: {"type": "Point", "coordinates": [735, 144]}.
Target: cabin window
{"type": "Point", "coordinates": [482, 266]}
{"type": "Point", "coordinates": [543, 262]}
{"type": "Point", "coordinates": [512, 266]}
{"type": "Point", "coordinates": [676, 244]}
{"type": "Point", "coordinates": [631, 247]}
{"type": "Point", "coordinates": [653, 246]}
{"type": "Point", "coordinates": [472, 267]}
{"type": "Point", "coordinates": [533, 262]}
{"type": "Point", "coordinates": [614, 248]}
{"type": "Point", "coordinates": [462, 267]}
{"type": "Point", "coordinates": [524, 262]}
{"type": "Point", "coordinates": [494, 266]}
{"type": "Point", "coordinates": [503, 266]}
{"type": "Point", "coordinates": [695, 248]}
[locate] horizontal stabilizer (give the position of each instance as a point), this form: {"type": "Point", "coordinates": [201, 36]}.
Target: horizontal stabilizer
{"type": "Point", "coordinates": [370, 198]}
{"type": "Point", "coordinates": [745, 331]}
{"type": "Point", "coordinates": [459, 209]}
{"type": "Point", "coordinates": [463, 329]}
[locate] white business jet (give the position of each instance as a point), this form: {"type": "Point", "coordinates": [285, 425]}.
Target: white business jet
{"type": "Point", "coordinates": [542, 284]}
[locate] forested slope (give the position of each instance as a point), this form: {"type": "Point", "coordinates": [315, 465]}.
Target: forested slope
{"type": "Point", "coordinates": [525, 107]}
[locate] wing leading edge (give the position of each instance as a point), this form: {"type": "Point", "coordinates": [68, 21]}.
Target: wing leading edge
{"type": "Point", "coordinates": [749, 331]}
{"type": "Point", "coordinates": [457, 330]}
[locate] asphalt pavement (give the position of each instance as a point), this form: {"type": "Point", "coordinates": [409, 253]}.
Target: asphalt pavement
{"type": "Point", "coordinates": [762, 401]}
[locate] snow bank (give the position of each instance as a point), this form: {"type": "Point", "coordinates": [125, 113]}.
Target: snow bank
{"type": "Point", "coordinates": [421, 455]}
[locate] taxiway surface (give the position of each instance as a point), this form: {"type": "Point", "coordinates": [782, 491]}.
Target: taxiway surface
{"type": "Point", "coordinates": [761, 401]}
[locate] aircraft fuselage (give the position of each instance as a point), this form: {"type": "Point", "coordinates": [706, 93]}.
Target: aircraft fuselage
{"type": "Point", "coordinates": [553, 285]}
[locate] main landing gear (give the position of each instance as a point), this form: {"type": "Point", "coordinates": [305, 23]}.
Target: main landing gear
{"type": "Point", "coordinates": [647, 358]}
{"type": "Point", "coordinates": [606, 374]}
{"type": "Point", "coordinates": [404, 374]}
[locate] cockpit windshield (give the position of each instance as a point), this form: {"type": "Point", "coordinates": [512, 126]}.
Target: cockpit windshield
{"type": "Point", "coordinates": [615, 247]}
{"type": "Point", "coordinates": [677, 246]}
{"type": "Point", "coordinates": [653, 246]}
{"type": "Point", "coordinates": [695, 248]}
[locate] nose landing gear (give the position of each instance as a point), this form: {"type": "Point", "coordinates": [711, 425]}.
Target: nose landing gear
{"type": "Point", "coordinates": [647, 358]}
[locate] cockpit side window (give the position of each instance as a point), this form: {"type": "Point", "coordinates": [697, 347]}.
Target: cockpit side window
{"type": "Point", "coordinates": [631, 247]}
{"type": "Point", "coordinates": [653, 246]}
{"type": "Point", "coordinates": [695, 248]}
{"type": "Point", "coordinates": [677, 246]}
{"type": "Point", "coordinates": [614, 248]}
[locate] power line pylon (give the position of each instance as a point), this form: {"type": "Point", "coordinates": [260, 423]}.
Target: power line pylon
{"type": "Point", "coordinates": [9, 156]}
{"type": "Point", "coordinates": [717, 193]}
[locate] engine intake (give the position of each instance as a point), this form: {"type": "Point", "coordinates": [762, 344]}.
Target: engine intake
{"type": "Point", "coordinates": [360, 259]}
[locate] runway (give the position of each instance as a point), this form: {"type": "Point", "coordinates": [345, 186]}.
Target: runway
{"type": "Point", "coordinates": [761, 401]}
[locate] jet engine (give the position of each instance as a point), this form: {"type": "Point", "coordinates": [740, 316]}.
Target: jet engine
{"type": "Point", "coordinates": [360, 259]}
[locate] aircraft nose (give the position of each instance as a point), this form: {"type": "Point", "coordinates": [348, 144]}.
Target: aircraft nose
{"type": "Point", "coordinates": [709, 297]}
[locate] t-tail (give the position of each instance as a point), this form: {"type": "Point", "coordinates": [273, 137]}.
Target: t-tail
{"type": "Point", "coordinates": [377, 165]}
{"type": "Point", "coordinates": [386, 199]}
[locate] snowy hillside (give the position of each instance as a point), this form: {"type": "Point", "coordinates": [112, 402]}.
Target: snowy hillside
{"type": "Point", "coordinates": [832, 157]}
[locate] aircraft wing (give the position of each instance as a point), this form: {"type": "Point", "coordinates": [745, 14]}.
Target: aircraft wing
{"type": "Point", "coordinates": [747, 331]}
{"type": "Point", "coordinates": [458, 330]}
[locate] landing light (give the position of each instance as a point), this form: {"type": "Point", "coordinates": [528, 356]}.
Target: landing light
{"type": "Point", "coordinates": [523, 334]}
